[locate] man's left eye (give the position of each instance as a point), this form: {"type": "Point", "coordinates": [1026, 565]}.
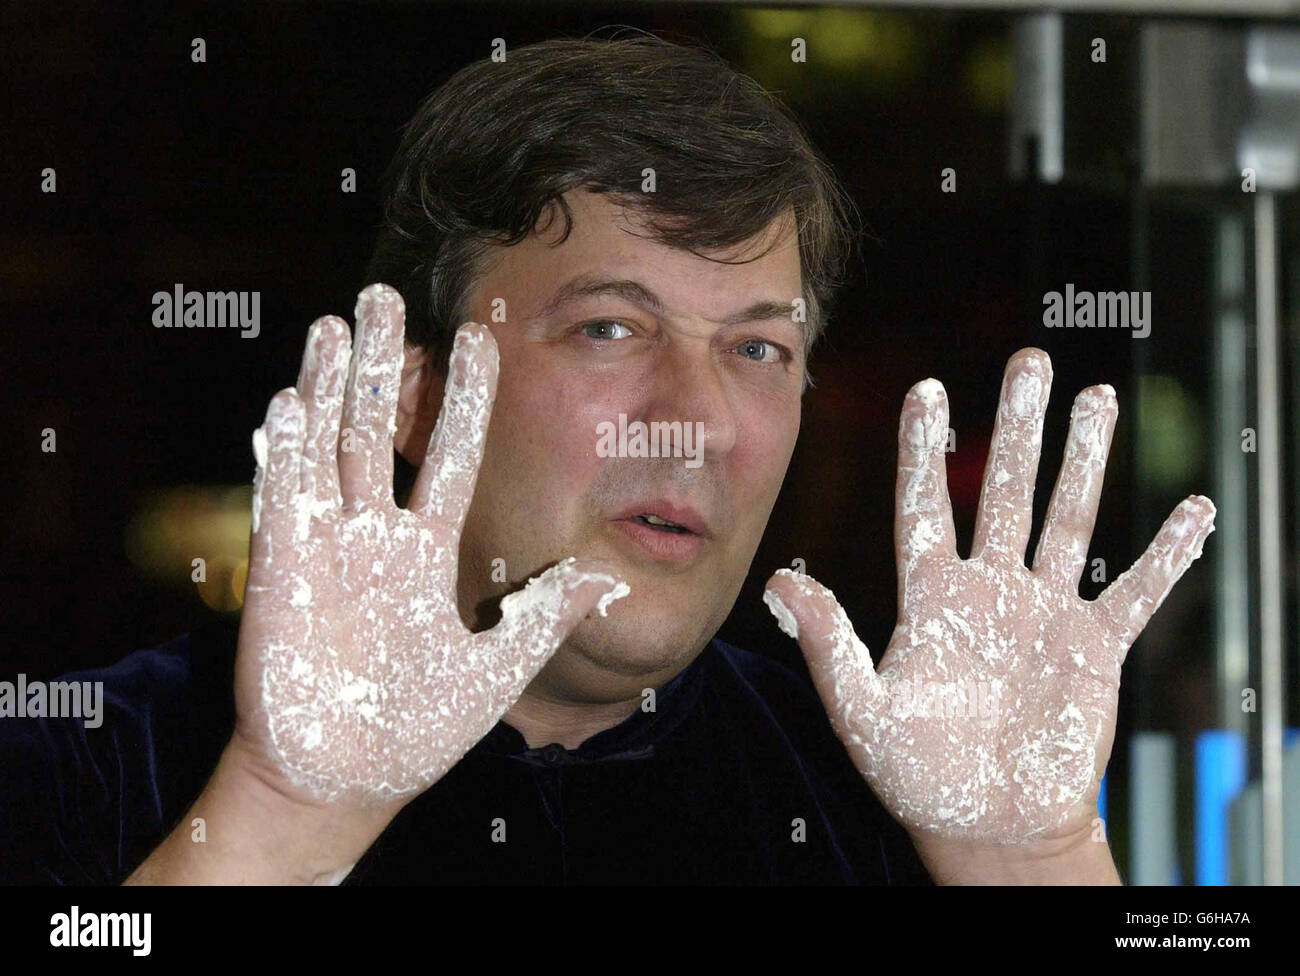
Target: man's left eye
{"type": "Point", "coordinates": [761, 351]}
{"type": "Point", "coordinates": [605, 329]}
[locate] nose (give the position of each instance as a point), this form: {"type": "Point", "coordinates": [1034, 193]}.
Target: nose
{"type": "Point", "coordinates": [689, 386]}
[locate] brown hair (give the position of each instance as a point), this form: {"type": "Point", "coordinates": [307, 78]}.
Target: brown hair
{"type": "Point", "coordinates": [497, 145]}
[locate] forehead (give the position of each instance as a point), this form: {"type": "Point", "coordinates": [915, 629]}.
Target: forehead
{"type": "Point", "coordinates": [610, 239]}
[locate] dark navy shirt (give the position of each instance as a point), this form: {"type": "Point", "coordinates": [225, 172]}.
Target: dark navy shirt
{"type": "Point", "coordinates": [735, 777]}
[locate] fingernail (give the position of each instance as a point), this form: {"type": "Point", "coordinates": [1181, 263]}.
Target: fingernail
{"type": "Point", "coordinates": [284, 415]}
{"type": "Point", "coordinates": [469, 337]}
{"type": "Point", "coordinates": [1026, 398]}
{"type": "Point", "coordinates": [378, 294]}
{"type": "Point", "coordinates": [1093, 399]}
{"type": "Point", "coordinates": [925, 423]}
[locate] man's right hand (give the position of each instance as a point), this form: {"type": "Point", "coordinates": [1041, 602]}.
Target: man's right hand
{"type": "Point", "coordinates": [357, 686]}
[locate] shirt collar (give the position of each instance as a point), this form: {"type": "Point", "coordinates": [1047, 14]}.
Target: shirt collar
{"type": "Point", "coordinates": [632, 739]}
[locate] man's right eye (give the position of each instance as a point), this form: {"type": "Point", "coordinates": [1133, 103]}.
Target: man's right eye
{"type": "Point", "coordinates": [605, 329]}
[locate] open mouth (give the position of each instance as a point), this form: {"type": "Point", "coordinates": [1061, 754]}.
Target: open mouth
{"type": "Point", "coordinates": [652, 535]}
{"type": "Point", "coordinates": [662, 525]}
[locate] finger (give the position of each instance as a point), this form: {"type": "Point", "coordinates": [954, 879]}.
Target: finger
{"type": "Point", "coordinates": [1072, 513]}
{"type": "Point", "coordinates": [923, 528]}
{"type": "Point", "coordinates": [277, 447]}
{"type": "Point", "coordinates": [370, 401]}
{"type": "Point", "coordinates": [1007, 499]}
{"type": "Point", "coordinates": [321, 380]}
{"type": "Point", "coordinates": [838, 661]}
{"type": "Point", "coordinates": [1128, 603]}
{"type": "Point", "coordinates": [538, 619]}
{"type": "Point", "coordinates": [444, 486]}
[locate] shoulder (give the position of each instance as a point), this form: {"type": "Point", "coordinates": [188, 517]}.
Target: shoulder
{"type": "Point", "coordinates": [86, 797]}
{"type": "Point", "coordinates": [192, 674]}
{"type": "Point", "coordinates": [186, 683]}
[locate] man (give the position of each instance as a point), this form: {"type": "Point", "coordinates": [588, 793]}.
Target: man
{"type": "Point", "coordinates": [651, 240]}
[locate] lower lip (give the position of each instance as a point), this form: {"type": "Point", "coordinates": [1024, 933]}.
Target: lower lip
{"type": "Point", "coordinates": [668, 546]}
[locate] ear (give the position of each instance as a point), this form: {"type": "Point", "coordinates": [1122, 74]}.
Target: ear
{"type": "Point", "coordinates": [419, 399]}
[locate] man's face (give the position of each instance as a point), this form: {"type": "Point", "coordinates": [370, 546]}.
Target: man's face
{"type": "Point", "coordinates": [679, 347]}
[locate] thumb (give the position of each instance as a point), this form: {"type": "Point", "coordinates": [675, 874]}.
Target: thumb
{"type": "Point", "coordinates": [537, 619]}
{"type": "Point", "coordinates": [838, 661]}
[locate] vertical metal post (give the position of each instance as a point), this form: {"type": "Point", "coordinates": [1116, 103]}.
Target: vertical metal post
{"type": "Point", "coordinates": [1038, 106]}
{"type": "Point", "coordinates": [1231, 364]}
{"type": "Point", "coordinates": [1271, 608]}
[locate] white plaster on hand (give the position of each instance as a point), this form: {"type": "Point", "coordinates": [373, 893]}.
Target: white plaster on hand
{"type": "Point", "coordinates": [355, 674]}
{"type": "Point", "coordinates": [1025, 674]}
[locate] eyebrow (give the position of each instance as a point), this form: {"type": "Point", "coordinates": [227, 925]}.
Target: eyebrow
{"type": "Point", "coordinates": [589, 286]}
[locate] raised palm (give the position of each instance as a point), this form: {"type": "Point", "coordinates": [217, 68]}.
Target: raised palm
{"type": "Point", "coordinates": [992, 715]}
{"type": "Point", "coordinates": [356, 680]}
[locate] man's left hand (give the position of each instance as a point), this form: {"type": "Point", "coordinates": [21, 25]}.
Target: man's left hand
{"type": "Point", "coordinates": [989, 724]}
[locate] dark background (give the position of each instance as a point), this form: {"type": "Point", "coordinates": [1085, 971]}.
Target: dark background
{"type": "Point", "coordinates": [226, 175]}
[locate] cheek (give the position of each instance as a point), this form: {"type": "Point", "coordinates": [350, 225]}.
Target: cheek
{"type": "Point", "coordinates": [764, 446]}
{"type": "Point", "coordinates": [544, 436]}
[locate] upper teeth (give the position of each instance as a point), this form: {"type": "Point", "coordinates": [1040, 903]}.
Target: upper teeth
{"type": "Point", "coordinates": [656, 520]}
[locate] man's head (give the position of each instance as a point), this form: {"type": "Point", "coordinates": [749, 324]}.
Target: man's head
{"type": "Point", "coordinates": [648, 234]}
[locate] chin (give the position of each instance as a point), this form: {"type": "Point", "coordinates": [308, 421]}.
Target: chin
{"type": "Point", "coordinates": [638, 644]}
